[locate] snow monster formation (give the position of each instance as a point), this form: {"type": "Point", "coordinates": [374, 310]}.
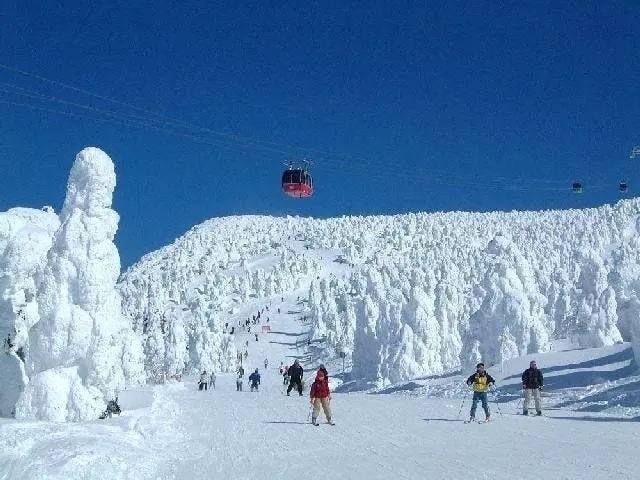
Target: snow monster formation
{"type": "Point", "coordinates": [82, 351]}
{"type": "Point", "coordinates": [25, 238]}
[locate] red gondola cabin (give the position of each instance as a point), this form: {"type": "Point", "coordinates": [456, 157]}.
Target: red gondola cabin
{"type": "Point", "coordinates": [297, 183]}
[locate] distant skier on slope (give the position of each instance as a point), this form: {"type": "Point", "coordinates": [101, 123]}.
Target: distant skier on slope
{"type": "Point", "coordinates": [532, 383]}
{"type": "Point", "coordinates": [285, 375]}
{"type": "Point", "coordinates": [204, 378]}
{"type": "Point", "coordinates": [212, 380]}
{"type": "Point", "coordinates": [480, 381]}
{"type": "Point", "coordinates": [266, 363]}
{"type": "Point", "coordinates": [254, 380]}
{"type": "Point", "coordinates": [239, 383]}
{"type": "Point", "coordinates": [295, 373]}
{"type": "Point", "coordinates": [320, 397]}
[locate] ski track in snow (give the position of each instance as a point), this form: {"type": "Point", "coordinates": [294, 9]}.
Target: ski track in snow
{"type": "Point", "coordinates": [174, 431]}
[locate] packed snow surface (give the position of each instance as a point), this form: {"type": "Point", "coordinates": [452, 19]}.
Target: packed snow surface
{"type": "Point", "coordinates": [174, 431]}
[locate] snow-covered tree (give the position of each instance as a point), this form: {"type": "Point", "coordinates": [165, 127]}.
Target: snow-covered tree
{"type": "Point", "coordinates": [82, 348]}
{"type": "Point", "coordinates": [25, 237]}
{"type": "Point", "coordinates": [511, 319]}
{"type": "Point", "coordinates": [597, 317]}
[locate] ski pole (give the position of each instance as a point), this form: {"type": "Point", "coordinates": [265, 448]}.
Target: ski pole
{"type": "Point", "coordinates": [495, 400]}
{"type": "Point", "coordinates": [309, 416]}
{"type": "Point", "coordinates": [461, 405]}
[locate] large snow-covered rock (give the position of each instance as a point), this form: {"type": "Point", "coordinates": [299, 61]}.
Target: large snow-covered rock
{"type": "Point", "coordinates": [82, 351]}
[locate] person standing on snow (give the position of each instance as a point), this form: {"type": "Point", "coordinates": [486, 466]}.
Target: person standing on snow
{"type": "Point", "coordinates": [204, 378]}
{"type": "Point", "coordinates": [480, 381]}
{"type": "Point", "coordinates": [239, 383]}
{"type": "Point", "coordinates": [240, 372]}
{"type": "Point", "coordinates": [532, 382]}
{"type": "Point", "coordinates": [285, 375]}
{"type": "Point", "coordinates": [254, 380]}
{"type": "Point", "coordinates": [295, 373]}
{"type": "Point", "coordinates": [266, 363]}
{"type": "Point", "coordinates": [320, 397]}
{"type": "Point", "coordinates": [212, 380]}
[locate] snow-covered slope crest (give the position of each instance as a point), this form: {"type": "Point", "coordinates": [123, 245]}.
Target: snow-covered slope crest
{"type": "Point", "coordinates": [81, 351]}
{"type": "Point", "coordinates": [423, 293]}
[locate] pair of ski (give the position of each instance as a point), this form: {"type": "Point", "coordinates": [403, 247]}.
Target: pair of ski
{"type": "Point", "coordinates": [317, 424]}
{"type": "Point", "coordinates": [476, 421]}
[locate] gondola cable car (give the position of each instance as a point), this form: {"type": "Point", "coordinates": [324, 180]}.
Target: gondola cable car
{"type": "Point", "coordinates": [297, 182]}
{"type": "Point", "coordinates": [576, 187]}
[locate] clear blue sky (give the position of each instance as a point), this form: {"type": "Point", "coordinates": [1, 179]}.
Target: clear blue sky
{"type": "Point", "coordinates": [406, 107]}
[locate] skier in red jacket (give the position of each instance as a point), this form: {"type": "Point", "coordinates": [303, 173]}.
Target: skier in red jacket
{"type": "Point", "coordinates": [321, 396]}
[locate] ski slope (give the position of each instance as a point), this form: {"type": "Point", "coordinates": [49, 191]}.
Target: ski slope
{"type": "Point", "coordinates": [174, 431]}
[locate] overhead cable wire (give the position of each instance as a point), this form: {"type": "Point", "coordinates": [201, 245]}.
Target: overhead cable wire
{"type": "Point", "coordinates": [165, 124]}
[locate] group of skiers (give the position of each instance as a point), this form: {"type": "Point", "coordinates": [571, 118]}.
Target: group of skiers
{"type": "Point", "coordinates": [246, 324]}
{"type": "Point", "coordinates": [481, 381]}
{"type": "Point", "coordinates": [320, 394]}
{"type": "Point", "coordinates": [207, 379]}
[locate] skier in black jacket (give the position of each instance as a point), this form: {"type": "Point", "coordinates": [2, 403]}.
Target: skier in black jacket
{"type": "Point", "coordinates": [254, 380]}
{"type": "Point", "coordinates": [532, 383]}
{"type": "Point", "coordinates": [295, 377]}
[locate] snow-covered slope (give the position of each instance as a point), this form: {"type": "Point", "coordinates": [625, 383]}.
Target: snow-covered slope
{"type": "Point", "coordinates": [414, 430]}
{"type": "Point", "coordinates": [415, 295]}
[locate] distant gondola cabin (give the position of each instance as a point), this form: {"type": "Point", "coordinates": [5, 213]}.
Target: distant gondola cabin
{"type": "Point", "coordinates": [297, 183]}
{"type": "Point", "coordinates": [623, 187]}
{"type": "Point", "coordinates": [576, 187]}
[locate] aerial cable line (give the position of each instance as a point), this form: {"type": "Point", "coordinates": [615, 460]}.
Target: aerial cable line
{"type": "Point", "coordinates": [141, 122]}
{"type": "Point", "coordinates": [328, 158]}
{"type": "Point", "coordinates": [169, 125]}
{"type": "Point", "coordinates": [127, 123]}
{"type": "Point", "coordinates": [274, 147]}
{"type": "Point", "coordinates": [146, 111]}
{"type": "Point", "coordinates": [126, 117]}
